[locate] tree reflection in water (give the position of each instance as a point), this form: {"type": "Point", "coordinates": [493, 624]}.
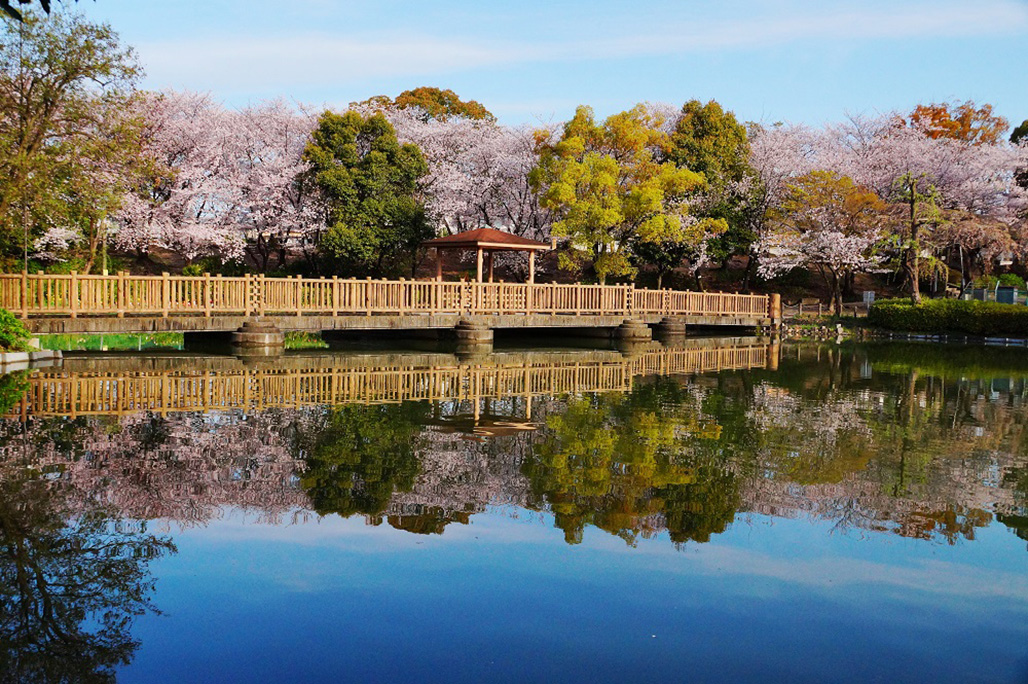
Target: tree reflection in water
{"type": "Point", "coordinates": [71, 583]}
{"type": "Point", "coordinates": [907, 440]}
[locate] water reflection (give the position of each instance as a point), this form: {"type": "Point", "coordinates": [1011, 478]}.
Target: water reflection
{"type": "Point", "coordinates": [922, 442]}
{"type": "Point", "coordinates": [925, 445]}
{"type": "Point", "coordinates": [73, 576]}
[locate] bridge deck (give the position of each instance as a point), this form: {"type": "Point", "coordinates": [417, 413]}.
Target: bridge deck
{"type": "Point", "coordinates": [123, 303]}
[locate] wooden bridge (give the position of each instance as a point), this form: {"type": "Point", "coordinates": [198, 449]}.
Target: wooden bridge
{"type": "Point", "coordinates": [90, 386]}
{"type": "Point", "coordinates": [76, 303]}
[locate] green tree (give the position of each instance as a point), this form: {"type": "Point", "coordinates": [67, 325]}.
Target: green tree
{"type": "Point", "coordinates": [71, 583]}
{"type": "Point", "coordinates": [708, 139]}
{"type": "Point", "coordinates": [608, 460]}
{"type": "Point", "coordinates": [65, 86]}
{"type": "Point", "coordinates": [923, 214]}
{"type": "Point", "coordinates": [369, 182]}
{"type": "Point", "coordinates": [1020, 133]}
{"type": "Point", "coordinates": [609, 191]}
{"type": "Point", "coordinates": [357, 456]}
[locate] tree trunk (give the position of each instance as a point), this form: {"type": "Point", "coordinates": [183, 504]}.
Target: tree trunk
{"type": "Point", "coordinates": [660, 279]}
{"type": "Point", "coordinates": [748, 273]}
{"type": "Point", "coordinates": [912, 262]}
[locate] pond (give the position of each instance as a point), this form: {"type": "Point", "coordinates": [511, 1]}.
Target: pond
{"type": "Point", "coordinates": [722, 510]}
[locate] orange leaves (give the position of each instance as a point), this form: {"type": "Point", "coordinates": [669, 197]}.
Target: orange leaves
{"type": "Point", "coordinates": [966, 122]}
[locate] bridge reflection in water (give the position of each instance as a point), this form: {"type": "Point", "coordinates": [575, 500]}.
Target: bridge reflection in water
{"type": "Point", "coordinates": [112, 385]}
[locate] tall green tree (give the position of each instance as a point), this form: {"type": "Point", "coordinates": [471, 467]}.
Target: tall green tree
{"type": "Point", "coordinates": [369, 182]}
{"type": "Point", "coordinates": [1020, 133]}
{"type": "Point", "coordinates": [923, 214]}
{"type": "Point", "coordinates": [72, 580]}
{"type": "Point", "coordinates": [65, 85]}
{"type": "Point", "coordinates": [358, 456]}
{"type": "Point", "coordinates": [609, 190]}
{"type": "Point", "coordinates": [709, 139]}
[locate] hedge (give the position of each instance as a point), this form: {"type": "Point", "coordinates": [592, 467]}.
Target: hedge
{"type": "Point", "coordinates": [951, 316]}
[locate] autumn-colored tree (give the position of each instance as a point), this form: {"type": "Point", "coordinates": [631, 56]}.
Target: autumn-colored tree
{"type": "Point", "coordinates": [433, 103]}
{"type": "Point", "coordinates": [966, 122]}
{"type": "Point", "coordinates": [609, 191]}
{"type": "Point", "coordinates": [825, 222]}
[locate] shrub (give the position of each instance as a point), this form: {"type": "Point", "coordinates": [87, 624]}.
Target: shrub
{"type": "Point", "coordinates": [1012, 280]}
{"type": "Point", "coordinates": [951, 315]}
{"type": "Point", "coordinates": [13, 335]}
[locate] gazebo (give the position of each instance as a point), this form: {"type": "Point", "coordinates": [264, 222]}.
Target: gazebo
{"type": "Point", "coordinates": [486, 242]}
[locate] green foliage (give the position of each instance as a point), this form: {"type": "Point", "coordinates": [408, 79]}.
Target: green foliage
{"type": "Point", "coordinates": [989, 282]}
{"type": "Point", "coordinates": [371, 184]}
{"type": "Point", "coordinates": [951, 315]}
{"type": "Point", "coordinates": [947, 361]}
{"type": "Point", "coordinates": [70, 136]}
{"type": "Point", "coordinates": [301, 339]}
{"type": "Point", "coordinates": [1020, 133]}
{"type": "Point", "coordinates": [709, 140]}
{"type": "Point", "coordinates": [613, 460]}
{"type": "Point", "coordinates": [121, 341]}
{"type": "Point", "coordinates": [357, 456]}
{"type": "Point", "coordinates": [611, 194]}
{"type": "Point", "coordinates": [12, 389]}
{"type": "Point", "coordinates": [13, 334]}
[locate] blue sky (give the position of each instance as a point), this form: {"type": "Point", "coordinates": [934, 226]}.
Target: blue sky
{"type": "Point", "coordinates": [767, 60]}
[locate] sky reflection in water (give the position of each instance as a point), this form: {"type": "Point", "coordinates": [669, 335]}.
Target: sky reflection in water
{"type": "Point", "coordinates": [854, 514]}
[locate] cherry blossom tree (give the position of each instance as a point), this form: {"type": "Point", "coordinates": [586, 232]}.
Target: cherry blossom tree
{"type": "Point", "coordinates": [478, 172]}
{"type": "Point", "coordinates": [188, 204]}
{"type": "Point", "coordinates": [276, 209]}
{"type": "Point", "coordinates": [225, 184]}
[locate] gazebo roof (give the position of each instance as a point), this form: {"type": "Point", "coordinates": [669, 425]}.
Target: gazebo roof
{"type": "Point", "coordinates": [487, 238]}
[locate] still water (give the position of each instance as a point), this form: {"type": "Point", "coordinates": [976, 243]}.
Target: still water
{"type": "Point", "coordinates": [719, 511]}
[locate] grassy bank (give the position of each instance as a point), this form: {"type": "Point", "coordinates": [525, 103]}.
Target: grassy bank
{"type": "Point", "coordinates": [983, 319]}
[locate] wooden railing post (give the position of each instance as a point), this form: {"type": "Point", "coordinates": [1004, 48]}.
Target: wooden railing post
{"type": "Point", "coordinates": [207, 295]}
{"type": "Point", "coordinates": [335, 296]}
{"type": "Point", "coordinates": [299, 295]}
{"type": "Point", "coordinates": [165, 295]}
{"type": "Point", "coordinates": [121, 294]}
{"type": "Point", "coordinates": [74, 294]}
{"type": "Point", "coordinates": [247, 295]}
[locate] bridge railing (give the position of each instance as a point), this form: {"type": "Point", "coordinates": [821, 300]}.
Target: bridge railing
{"type": "Point", "coordinates": [85, 393]}
{"type": "Point", "coordinates": [165, 295]}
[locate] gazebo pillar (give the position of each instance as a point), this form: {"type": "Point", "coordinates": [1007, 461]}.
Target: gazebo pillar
{"type": "Point", "coordinates": [531, 267]}
{"type": "Point", "coordinates": [438, 265]}
{"type": "Point", "coordinates": [491, 266]}
{"type": "Point", "coordinates": [479, 264]}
